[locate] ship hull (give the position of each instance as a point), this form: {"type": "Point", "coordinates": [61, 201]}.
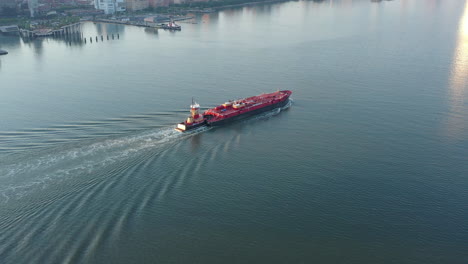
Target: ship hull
{"type": "Point", "coordinates": [248, 114]}
{"type": "Point", "coordinates": [172, 28]}
{"type": "Point", "coordinates": [182, 127]}
{"type": "Point", "coordinates": [232, 111]}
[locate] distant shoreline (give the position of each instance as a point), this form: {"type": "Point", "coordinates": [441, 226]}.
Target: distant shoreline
{"type": "Point", "coordinates": [176, 9]}
{"type": "Point", "coordinates": [250, 3]}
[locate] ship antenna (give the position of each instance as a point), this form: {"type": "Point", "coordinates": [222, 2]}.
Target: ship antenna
{"type": "Point", "coordinates": [192, 100]}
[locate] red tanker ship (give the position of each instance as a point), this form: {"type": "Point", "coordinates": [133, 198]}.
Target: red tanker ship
{"type": "Point", "coordinates": [234, 110]}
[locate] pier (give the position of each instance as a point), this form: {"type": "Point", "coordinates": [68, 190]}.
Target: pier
{"type": "Point", "coordinates": [14, 29]}
{"type": "Point", "coordinates": [70, 33]}
{"type": "Point", "coordinates": [68, 30]}
{"type": "Point", "coordinates": [146, 24]}
{"type": "Point", "coordinates": [128, 23]}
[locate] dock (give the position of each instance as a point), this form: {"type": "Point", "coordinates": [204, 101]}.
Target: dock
{"type": "Point", "coordinates": [13, 29]}
{"type": "Point", "coordinates": [45, 32]}
{"type": "Point", "coordinates": [129, 23]}
{"type": "Point", "coordinates": [146, 24]}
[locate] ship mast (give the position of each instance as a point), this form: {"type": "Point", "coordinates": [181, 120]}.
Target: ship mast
{"type": "Point", "coordinates": [195, 116]}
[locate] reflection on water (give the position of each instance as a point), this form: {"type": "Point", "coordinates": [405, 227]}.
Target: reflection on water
{"type": "Point", "coordinates": [38, 43]}
{"type": "Point", "coordinates": [207, 20]}
{"type": "Point", "coordinates": [459, 80]}
{"type": "Point", "coordinates": [107, 29]}
{"type": "Point", "coordinates": [151, 31]}
{"type": "Point", "coordinates": [35, 44]}
{"type": "Point", "coordinates": [91, 31]}
{"type": "Point", "coordinates": [8, 41]}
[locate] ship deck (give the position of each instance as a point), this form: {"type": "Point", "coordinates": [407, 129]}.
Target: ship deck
{"type": "Point", "coordinates": [250, 103]}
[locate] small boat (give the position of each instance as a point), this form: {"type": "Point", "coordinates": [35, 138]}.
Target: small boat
{"type": "Point", "coordinates": [3, 52]}
{"type": "Point", "coordinates": [171, 26]}
{"type": "Point", "coordinates": [233, 110]}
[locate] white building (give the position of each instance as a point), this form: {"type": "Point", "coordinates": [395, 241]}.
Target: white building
{"type": "Point", "coordinates": [110, 6]}
{"type": "Point", "coordinates": [33, 5]}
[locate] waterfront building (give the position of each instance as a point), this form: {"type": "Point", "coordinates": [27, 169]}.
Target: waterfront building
{"type": "Point", "coordinates": [120, 6]}
{"type": "Point", "coordinates": [110, 6]}
{"type": "Point", "coordinates": [156, 3]}
{"type": "Point", "coordinates": [135, 5]}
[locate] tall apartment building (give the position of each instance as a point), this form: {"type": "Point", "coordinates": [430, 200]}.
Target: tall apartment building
{"type": "Point", "coordinates": [110, 6]}
{"type": "Point", "coordinates": [135, 5]}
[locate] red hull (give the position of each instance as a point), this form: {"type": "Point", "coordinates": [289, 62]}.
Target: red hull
{"type": "Point", "coordinates": [246, 105]}
{"type": "Point", "coordinates": [239, 108]}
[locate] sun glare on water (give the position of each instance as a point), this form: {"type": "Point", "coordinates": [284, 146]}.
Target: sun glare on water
{"type": "Point", "coordinates": [459, 79]}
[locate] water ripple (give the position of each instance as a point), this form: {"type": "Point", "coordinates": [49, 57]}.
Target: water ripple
{"type": "Point", "coordinates": [92, 192]}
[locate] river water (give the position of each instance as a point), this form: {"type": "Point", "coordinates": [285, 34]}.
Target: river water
{"type": "Point", "coordinates": [369, 163]}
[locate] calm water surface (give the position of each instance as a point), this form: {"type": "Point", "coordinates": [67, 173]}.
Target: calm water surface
{"type": "Point", "coordinates": [368, 164]}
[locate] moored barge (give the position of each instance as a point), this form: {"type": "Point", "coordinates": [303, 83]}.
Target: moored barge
{"type": "Point", "coordinates": [233, 110]}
